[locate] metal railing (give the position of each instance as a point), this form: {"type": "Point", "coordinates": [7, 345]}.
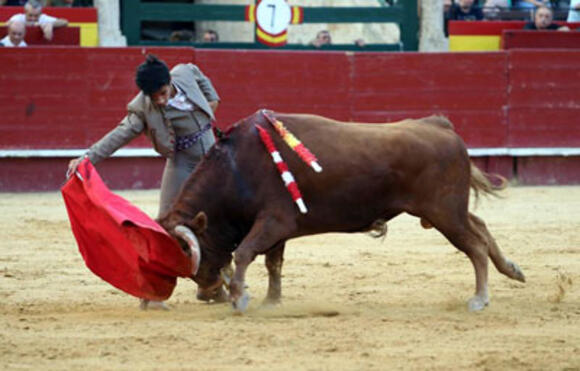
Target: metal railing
{"type": "Point", "coordinates": [404, 13]}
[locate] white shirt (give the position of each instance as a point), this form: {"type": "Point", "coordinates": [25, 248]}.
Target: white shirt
{"type": "Point", "coordinates": [573, 14]}
{"type": "Point", "coordinates": [6, 42]}
{"type": "Point", "coordinates": [180, 101]}
{"type": "Point", "coordinates": [43, 19]}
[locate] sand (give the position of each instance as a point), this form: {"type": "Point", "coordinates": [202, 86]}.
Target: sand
{"type": "Point", "coordinates": [350, 302]}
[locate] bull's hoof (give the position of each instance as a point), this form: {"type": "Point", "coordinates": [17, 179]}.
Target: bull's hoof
{"type": "Point", "coordinates": [221, 296]}
{"type": "Point", "coordinates": [271, 303]}
{"type": "Point", "coordinates": [516, 273]}
{"type": "Point", "coordinates": [217, 296]}
{"type": "Point", "coordinates": [477, 303]}
{"type": "Point", "coordinates": [241, 304]}
{"type": "Point", "coordinates": [152, 305]}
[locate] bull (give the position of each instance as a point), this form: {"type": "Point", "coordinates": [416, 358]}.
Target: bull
{"type": "Point", "coordinates": [235, 204]}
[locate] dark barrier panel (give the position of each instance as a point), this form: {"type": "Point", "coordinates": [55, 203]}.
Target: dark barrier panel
{"type": "Point", "coordinates": [48, 174]}
{"type": "Point", "coordinates": [549, 170]}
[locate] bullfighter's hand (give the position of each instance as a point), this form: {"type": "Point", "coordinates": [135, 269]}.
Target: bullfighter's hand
{"type": "Point", "coordinates": [73, 165]}
{"type": "Point", "coordinates": [213, 105]}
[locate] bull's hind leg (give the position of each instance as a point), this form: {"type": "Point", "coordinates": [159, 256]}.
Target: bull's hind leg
{"type": "Point", "coordinates": [470, 235]}
{"type": "Point", "coordinates": [464, 234]}
{"type": "Point", "coordinates": [503, 265]}
{"type": "Point", "coordinates": [274, 261]}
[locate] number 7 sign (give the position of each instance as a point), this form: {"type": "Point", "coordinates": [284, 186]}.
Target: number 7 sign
{"type": "Point", "coordinates": [272, 19]}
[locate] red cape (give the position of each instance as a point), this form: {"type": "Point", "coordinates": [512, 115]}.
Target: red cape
{"type": "Point", "coordinates": [119, 242]}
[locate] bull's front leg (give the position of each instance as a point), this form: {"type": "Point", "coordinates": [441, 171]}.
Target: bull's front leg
{"type": "Point", "coordinates": [265, 233]}
{"type": "Point", "coordinates": [274, 260]}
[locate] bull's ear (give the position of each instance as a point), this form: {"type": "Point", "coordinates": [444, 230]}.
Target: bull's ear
{"type": "Point", "coordinates": [199, 222]}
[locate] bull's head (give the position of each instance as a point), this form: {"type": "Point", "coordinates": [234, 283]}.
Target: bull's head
{"type": "Point", "coordinates": [206, 265]}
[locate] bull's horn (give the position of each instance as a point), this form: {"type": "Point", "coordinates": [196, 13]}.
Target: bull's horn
{"type": "Point", "coordinates": [188, 236]}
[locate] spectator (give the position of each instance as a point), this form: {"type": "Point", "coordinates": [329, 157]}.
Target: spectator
{"type": "Point", "coordinates": [574, 12]}
{"type": "Point", "coordinates": [322, 38]}
{"type": "Point", "coordinates": [530, 4]}
{"type": "Point", "coordinates": [12, 2]}
{"type": "Point", "coordinates": [463, 10]}
{"type": "Point", "coordinates": [210, 36]}
{"type": "Point", "coordinates": [182, 35]}
{"type": "Point", "coordinates": [33, 16]}
{"type": "Point", "coordinates": [543, 17]}
{"type": "Point", "coordinates": [69, 3]}
{"type": "Point", "coordinates": [492, 8]}
{"type": "Point", "coordinates": [447, 5]}
{"type": "Point", "coordinates": [360, 43]}
{"type": "Point", "coordinates": [15, 37]}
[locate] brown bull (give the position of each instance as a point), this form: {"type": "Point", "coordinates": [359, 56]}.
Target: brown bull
{"type": "Point", "coordinates": [235, 202]}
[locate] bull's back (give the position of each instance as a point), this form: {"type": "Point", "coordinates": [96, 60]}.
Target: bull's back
{"type": "Point", "coordinates": [351, 149]}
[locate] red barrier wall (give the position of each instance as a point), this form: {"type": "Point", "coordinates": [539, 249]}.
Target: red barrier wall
{"type": "Point", "coordinates": [73, 15]}
{"type": "Point", "coordinates": [512, 39]}
{"type": "Point", "coordinates": [470, 90]}
{"type": "Point", "coordinates": [70, 97]}
{"type": "Point", "coordinates": [544, 98]}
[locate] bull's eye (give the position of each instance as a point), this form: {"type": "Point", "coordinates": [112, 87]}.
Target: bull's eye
{"type": "Point", "coordinates": [184, 246]}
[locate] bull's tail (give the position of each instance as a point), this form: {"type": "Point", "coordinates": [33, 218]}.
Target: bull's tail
{"type": "Point", "coordinates": [480, 182]}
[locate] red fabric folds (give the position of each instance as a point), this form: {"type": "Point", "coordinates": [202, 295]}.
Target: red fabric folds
{"type": "Point", "coordinates": [119, 242]}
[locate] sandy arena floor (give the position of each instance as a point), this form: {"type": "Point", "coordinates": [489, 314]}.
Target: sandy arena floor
{"type": "Point", "coordinates": [350, 302]}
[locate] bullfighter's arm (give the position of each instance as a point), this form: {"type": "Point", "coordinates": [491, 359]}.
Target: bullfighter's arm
{"type": "Point", "coordinates": [129, 128]}
{"type": "Point", "coordinates": [206, 87]}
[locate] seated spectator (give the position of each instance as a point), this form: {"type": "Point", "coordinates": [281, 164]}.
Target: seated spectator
{"type": "Point", "coordinates": [322, 38]}
{"type": "Point", "coordinates": [492, 8]}
{"type": "Point", "coordinates": [69, 3]}
{"type": "Point", "coordinates": [360, 43]}
{"type": "Point", "coordinates": [182, 35]}
{"type": "Point", "coordinates": [12, 2]}
{"type": "Point", "coordinates": [446, 5]}
{"type": "Point", "coordinates": [574, 12]}
{"type": "Point", "coordinates": [210, 36]}
{"type": "Point", "coordinates": [543, 17]}
{"type": "Point", "coordinates": [530, 4]}
{"type": "Point", "coordinates": [15, 37]}
{"type": "Point", "coordinates": [33, 16]}
{"type": "Point", "coordinates": [462, 10]}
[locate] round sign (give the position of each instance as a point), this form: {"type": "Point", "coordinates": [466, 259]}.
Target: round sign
{"type": "Point", "coordinates": [273, 16]}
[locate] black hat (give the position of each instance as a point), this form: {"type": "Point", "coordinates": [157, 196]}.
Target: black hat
{"type": "Point", "coordinates": [152, 75]}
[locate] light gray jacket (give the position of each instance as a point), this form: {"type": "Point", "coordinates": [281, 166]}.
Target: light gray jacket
{"type": "Point", "coordinates": [144, 116]}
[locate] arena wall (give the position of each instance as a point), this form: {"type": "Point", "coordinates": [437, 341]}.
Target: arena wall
{"type": "Point", "coordinates": [517, 110]}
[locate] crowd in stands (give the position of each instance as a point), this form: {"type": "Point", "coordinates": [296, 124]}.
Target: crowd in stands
{"type": "Point", "coordinates": [471, 10]}
{"type": "Point", "coordinates": [60, 3]}
{"type": "Point", "coordinates": [32, 16]}
{"type": "Point", "coordinates": [539, 13]}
